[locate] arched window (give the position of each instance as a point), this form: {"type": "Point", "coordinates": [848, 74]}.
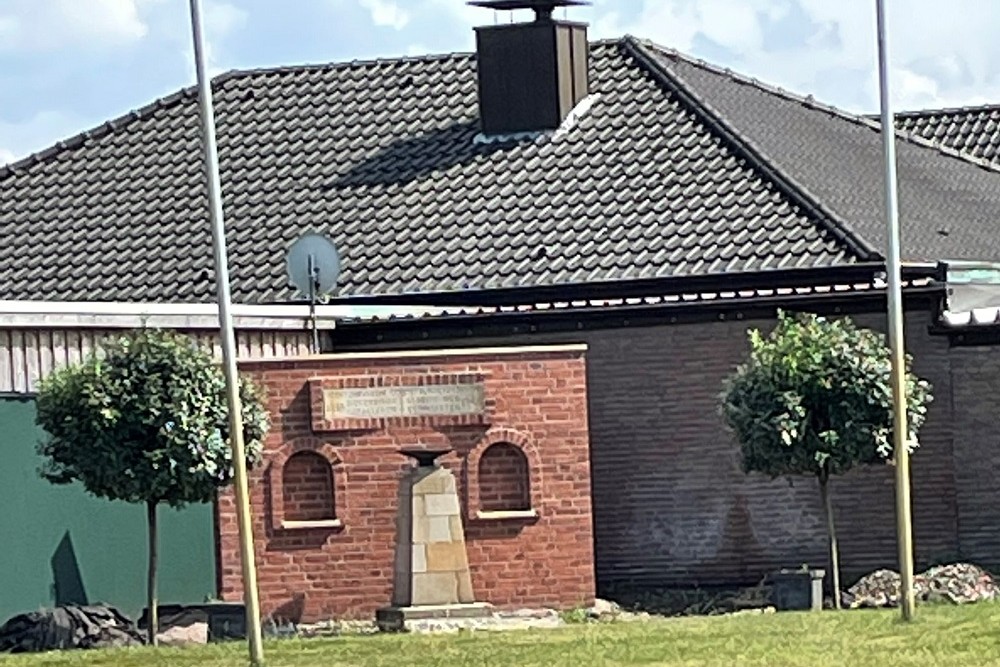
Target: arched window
{"type": "Point", "coordinates": [504, 485]}
{"type": "Point", "coordinates": [307, 488]}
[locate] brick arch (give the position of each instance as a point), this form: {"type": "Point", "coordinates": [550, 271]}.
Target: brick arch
{"type": "Point", "coordinates": [494, 446]}
{"type": "Point", "coordinates": [504, 481]}
{"type": "Point", "coordinates": [319, 462]}
{"type": "Point", "coordinates": [307, 488]}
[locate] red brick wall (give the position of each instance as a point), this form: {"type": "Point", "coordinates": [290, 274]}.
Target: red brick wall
{"type": "Point", "coordinates": [308, 488]}
{"type": "Point", "coordinates": [503, 479]}
{"type": "Point", "coordinates": [537, 401]}
{"type": "Point", "coordinates": [672, 507]}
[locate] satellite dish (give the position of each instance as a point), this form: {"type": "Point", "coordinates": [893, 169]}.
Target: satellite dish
{"type": "Point", "coordinates": [313, 265]}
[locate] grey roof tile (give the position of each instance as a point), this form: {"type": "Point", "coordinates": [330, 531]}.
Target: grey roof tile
{"type": "Point", "coordinates": [949, 204]}
{"type": "Point", "coordinates": [380, 156]}
{"type": "Point", "coordinates": [971, 130]}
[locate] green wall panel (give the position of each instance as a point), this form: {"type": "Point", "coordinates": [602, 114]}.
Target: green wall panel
{"type": "Point", "coordinates": [59, 544]}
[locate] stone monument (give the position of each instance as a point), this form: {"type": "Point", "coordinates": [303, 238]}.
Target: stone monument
{"type": "Point", "coordinates": [431, 578]}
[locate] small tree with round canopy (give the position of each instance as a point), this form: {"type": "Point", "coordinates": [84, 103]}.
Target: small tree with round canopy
{"type": "Point", "coordinates": [145, 420]}
{"type": "Point", "coordinates": [815, 398]}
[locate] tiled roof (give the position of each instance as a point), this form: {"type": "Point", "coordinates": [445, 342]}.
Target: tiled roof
{"type": "Point", "coordinates": [971, 130]}
{"type": "Point", "coordinates": [949, 206]}
{"type": "Point", "coordinates": [676, 169]}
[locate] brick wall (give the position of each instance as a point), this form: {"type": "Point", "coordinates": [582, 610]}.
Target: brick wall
{"type": "Point", "coordinates": [672, 507]}
{"type": "Point", "coordinates": [307, 488]}
{"type": "Point", "coordinates": [343, 566]}
{"type": "Point", "coordinates": [504, 484]}
{"type": "Point", "coordinates": [976, 379]}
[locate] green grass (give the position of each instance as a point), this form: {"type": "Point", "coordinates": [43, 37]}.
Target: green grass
{"type": "Point", "coordinates": [966, 636]}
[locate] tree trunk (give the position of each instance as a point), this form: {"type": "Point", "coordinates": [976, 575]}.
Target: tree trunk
{"type": "Point", "coordinates": [152, 616]}
{"type": "Point", "coordinates": [831, 530]}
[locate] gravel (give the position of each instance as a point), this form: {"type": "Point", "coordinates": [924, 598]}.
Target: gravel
{"type": "Point", "coordinates": [602, 611]}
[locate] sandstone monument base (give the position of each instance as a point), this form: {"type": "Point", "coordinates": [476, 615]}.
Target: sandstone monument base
{"type": "Point", "coordinates": [432, 578]}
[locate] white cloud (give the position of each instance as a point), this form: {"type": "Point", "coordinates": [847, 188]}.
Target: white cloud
{"type": "Point", "coordinates": [51, 122]}
{"type": "Point", "coordinates": [912, 89]}
{"type": "Point", "coordinates": [471, 16]}
{"type": "Point", "coordinates": [676, 23]}
{"type": "Point", "coordinates": [819, 47]}
{"type": "Point", "coordinates": [387, 13]}
{"type": "Point", "coordinates": [938, 58]}
{"type": "Point", "coordinates": [220, 19]}
{"type": "Point", "coordinates": [49, 25]}
{"type": "Point", "coordinates": [18, 139]}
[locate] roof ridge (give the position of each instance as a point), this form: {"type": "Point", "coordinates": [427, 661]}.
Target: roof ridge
{"type": "Point", "coordinates": [969, 108]}
{"type": "Point", "coordinates": [637, 48]}
{"type": "Point", "coordinates": [354, 62]}
{"type": "Point", "coordinates": [191, 91]}
{"type": "Point", "coordinates": [873, 123]}
{"type": "Point", "coordinates": [108, 127]}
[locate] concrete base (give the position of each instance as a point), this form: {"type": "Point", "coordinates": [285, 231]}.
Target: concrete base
{"type": "Point", "coordinates": [393, 619]}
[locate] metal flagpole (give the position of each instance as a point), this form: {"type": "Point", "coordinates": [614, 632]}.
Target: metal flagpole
{"type": "Point", "coordinates": [250, 598]}
{"type": "Point", "coordinates": [904, 533]}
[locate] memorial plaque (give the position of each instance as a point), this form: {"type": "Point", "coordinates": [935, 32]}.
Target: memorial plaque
{"type": "Point", "coordinates": [415, 401]}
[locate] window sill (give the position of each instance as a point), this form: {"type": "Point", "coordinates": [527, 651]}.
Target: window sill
{"type": "Point", "coordinates": [328, 524]}
{"type": "Point", "coordinates": [506, 515]}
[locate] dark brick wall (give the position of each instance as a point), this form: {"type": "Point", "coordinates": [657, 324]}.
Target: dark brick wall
{"type": "Point", "coordinates": [976, 379]}
{"type": "Point", "coordinates": [672, 507]}
{"type": "Point", "coordinates": [537, 402]}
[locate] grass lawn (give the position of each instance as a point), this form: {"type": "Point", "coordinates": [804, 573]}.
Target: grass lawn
{"type": "Point", "coordinates": [966, 636]}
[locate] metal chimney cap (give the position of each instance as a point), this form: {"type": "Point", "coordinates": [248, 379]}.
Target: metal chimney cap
{"type": "Point", "coordinates": [543, 8]}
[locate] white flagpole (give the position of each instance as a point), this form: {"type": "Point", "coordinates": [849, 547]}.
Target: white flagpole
{"type": "Point", "coordinates": [900, 432]}
{"type": "Point", "coordinates": [250, 594]}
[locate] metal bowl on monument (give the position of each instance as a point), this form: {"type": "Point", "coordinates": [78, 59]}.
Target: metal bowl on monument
{"type": "Point", "coordinates": [425, 456]}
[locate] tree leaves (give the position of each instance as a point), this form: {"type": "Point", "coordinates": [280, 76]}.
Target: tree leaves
{"type": "Point", "coordinates": [815, 397]}
{"type": "Point", "coordinates": [146, 420]}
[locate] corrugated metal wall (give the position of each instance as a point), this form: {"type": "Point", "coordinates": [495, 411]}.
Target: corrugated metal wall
{"type": "Point", "coordinates": [27, 355]}
{"type": "Point", "coordinates": [62, 545]}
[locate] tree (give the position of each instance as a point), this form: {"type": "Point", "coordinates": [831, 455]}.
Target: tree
{"type": "Point", "coordinates": [145, 420]}
{"type": "Point", "coordinates": [815, 398]}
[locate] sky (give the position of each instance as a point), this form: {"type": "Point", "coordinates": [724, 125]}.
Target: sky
{"type": "Point", "coordinates": [69, 65]}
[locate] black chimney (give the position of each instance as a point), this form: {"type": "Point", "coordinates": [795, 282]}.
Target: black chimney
{"type": "Point", "coordinates": [531, 75]}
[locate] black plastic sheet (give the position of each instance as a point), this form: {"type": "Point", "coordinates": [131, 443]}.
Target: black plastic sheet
{"type": "Point", "coordinates": [68, 627]}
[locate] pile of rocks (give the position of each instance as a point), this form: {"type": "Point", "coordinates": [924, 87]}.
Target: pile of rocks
{"type": "Point", "coordinates": [877, 589]}
{"type": "Point", "coordinates": [958, 583]}
{"type": "Point", "coordinates": [604, 611]}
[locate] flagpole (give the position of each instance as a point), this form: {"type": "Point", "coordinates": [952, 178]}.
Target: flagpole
{"type": "Point", "coordinates": [250, 594]}
{"type": "Point", "coordinates": [900, 431]}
